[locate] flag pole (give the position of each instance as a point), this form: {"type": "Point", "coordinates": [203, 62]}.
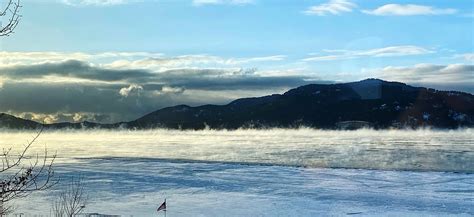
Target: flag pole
{"type": "Point", "coordinates": [162, 207]}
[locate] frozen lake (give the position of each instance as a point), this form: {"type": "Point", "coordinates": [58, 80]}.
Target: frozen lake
{"type": "Point", "coordinates": [274, 172]}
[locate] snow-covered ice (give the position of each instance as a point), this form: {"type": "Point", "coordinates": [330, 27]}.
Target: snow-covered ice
{"type": "Point", "coordinates": [275, 172]}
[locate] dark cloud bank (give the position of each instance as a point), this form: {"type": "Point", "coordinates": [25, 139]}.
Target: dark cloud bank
{"type": "Point", "coordinates": [123, 94]}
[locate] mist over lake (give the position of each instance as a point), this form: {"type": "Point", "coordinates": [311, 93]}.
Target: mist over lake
{"type": "Point", "coordinates": [420, 150]}
{"type": "Point", "coordinates": [273, 172]}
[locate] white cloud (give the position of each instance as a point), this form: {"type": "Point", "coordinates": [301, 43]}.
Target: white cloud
{"type": "Point", "coordinates": [59, 117]}
{"type": "Point", "coordinates": [408, 10]}
{"type": "Point", "coordinates": [208, 61]}
{"type": "Point", "coordinates": [332, 7]}
{"type": "Point", "coordinates": [235, 61]}
{"type": "Point", "coordinates": [15, 58]}
{"type": "Point", "coordinates": [130, 90]}
{"type": "Point", "coordinates": [426, 73]}
{"type": "Point", "coordinates": [392, 51]}
{"type": "Point", "coordinates": [143, 60]}
{"type": "Point", "coordinates": [7, 58]}
{"type": "Point", "coordinates": [42, 118]}
{"type": "Point", "coordinates": [220, 2]}
{"type": "Point", "coordinates": [169, 90]}
{"type": "Point", "coordinates": [78, 117]}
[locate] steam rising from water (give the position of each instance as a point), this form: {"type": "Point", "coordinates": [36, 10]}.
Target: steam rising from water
{"type": "Point", "coordinates": [425, 150]}
{"type": "Point", "coordinates": [131, 172]}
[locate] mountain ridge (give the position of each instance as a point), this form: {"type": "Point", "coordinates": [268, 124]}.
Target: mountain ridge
{"type": "Point", "coordinates": [368, 103]}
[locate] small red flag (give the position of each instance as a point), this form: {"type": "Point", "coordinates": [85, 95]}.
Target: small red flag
{"type": "Point", "coordinates": [162, 207]}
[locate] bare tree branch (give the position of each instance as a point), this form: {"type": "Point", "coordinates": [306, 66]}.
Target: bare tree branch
{"type": "Point", "coordinates": [22, 175]}
{"type": "Point", "coordinates": [71, 200]}
{"type": "Point", "coordinates": [11, 14]}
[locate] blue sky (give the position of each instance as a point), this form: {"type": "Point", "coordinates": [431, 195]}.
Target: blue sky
{"type": "Point", "coordinates": [257, 28]}
{"type": "Point", "coordinates": [419, 42]}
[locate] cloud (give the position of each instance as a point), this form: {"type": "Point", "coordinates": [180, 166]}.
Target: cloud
{"type": "Point", "coordinates": [409, 10]}
{"type": "Point", "coordinates": [220, 2]}
{"type": "Point", "coordinates": [333, 7]}
{"type": "Point", "coordinates": [78, 117]}
{"type": "Point", "coordinates": [223, 79]}
{"type": "Point", "coordinates": [202, 61]}
{"type": "Point", "coordinates": [236, 61]}
{"type": "Point", "coordinates": [427, 73]}
{"type": "Point", "coordinates": [132, 60]}
{"type": "Point", "coordinates": [78, 90]}
{"type": "Point", "coordinates": [73, 69]}
{"type": "Point", "coordinates": [132, 89]}
{"type": "Point", "coordinates": [21, 57]}
{"type": "Point", "coordinates": [392, 51]}
{"type": "Point", "coordinates": [61, 117]}
{"type": "Point", "coordinates": [167, 89]}
{"type": "Point", "coordinates": [15, 58]}
{"type": "Point", "coordinates": [50, 119]}
{"type": "Point", "coordinates": [108, 101]}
